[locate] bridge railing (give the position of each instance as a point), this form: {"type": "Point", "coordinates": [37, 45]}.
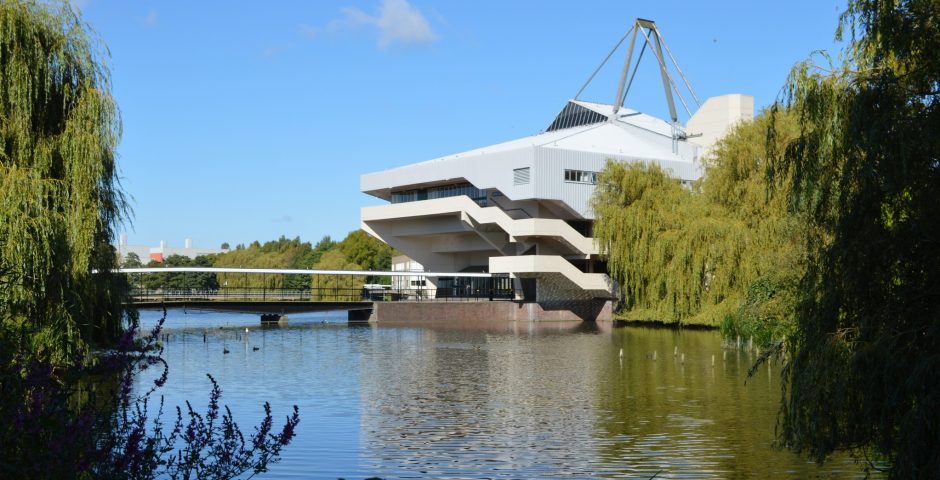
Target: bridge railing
{"type": "Point", "coordinates": [324, 294]}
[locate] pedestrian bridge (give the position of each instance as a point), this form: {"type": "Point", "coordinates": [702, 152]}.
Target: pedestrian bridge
{"type": "Point", "coordinates": [330, 290]}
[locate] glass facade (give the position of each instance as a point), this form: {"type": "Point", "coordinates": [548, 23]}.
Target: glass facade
{"type": "Point", "coordinates": [581, 176]}
{"type": "Point", "coordinates": [466, 189]}
{"type": "Point", "coordinates": [464, 287]}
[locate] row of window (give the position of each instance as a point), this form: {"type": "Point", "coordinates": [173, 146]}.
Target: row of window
{"type": "Point", "coordinates": [581, 176]}
{"type": "Point", "coordinates": [401, 283]}
{"type": "Point", "coordinates": [493, 287]}
{"type": "Point", "coordinates": [466, 189]}
{"type": "Point", "coordinates": [520, 177]}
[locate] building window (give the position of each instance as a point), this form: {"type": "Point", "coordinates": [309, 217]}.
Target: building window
{"type": "Point", "coordinates": [520, 176]}
{"type": "Point", "coordinates": [444, 191]}
{"type": "Point", "coordinates": [581, 176]}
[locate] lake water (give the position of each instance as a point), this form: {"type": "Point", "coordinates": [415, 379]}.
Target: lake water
{"type": "Point", "coordinates": [491, 400]}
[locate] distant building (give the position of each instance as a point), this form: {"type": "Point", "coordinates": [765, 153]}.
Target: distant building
{"type": "Point", "coordinates": [163, 251]}
{"type": "Point", "coordinates": [404, 263]}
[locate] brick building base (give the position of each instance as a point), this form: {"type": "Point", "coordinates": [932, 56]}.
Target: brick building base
{"type": "Point", "coordinates": [559, 311]}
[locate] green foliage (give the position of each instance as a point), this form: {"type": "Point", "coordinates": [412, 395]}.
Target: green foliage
{"type": "Point", "coordinates": [689, 256]}
{"type": "Point", "coordinates": [766, 314]}
{"type": "Point", "coordinates": [336, 287]}
{"type": "Point", "coordinates": [132, 260]}
{"type": "Point", "coordinates": [358, 251]}
{"type": "Point", "coordinates": [179, 280]}
{"type": "Point", "coordinates": [864, 372]}
{"type": "Point", "coordinates": [324, 245]}
{"type": "Point", "coordinates": [59, 195]}
{"type": "Point", "coordinates": [280, 253]}
{"type": "Point", "coordinates": [369, 252]}
{"type": "Point", "coordinates": [365, 250]}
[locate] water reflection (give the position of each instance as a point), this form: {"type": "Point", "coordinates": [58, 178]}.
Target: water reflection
{"type": "Point", "coordinates": [667, 408]}
{"type": "Point", "coordinates": [495, 400]}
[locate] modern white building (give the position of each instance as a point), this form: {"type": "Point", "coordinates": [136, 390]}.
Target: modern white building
{"type": "Point", "coordinates": [522, 207]}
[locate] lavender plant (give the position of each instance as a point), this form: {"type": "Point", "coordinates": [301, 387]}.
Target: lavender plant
{"type": "Point", "coordinates": [67, 423]}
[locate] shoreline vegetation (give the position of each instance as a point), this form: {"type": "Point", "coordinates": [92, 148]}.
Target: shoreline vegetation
{"type": "Point", "coordinates": [724, 253]}
{"type": "Point", "coordinates": [627, 322]}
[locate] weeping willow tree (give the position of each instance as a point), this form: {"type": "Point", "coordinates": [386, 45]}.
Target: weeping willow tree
{"type": "Point", "coordinates": [690, 255]}
{"type": "Point", "coordinates": [865, 368]}
{"type": "Point", "coordinates": [59, 194]}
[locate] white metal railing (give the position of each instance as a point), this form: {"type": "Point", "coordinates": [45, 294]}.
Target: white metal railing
{"type": "Point", "coordinates": [324, 294]}
{"type": "Point", "coordinates": [288, 271]}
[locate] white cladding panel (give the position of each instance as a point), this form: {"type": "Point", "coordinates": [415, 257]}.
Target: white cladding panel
{"type": "Point", "coordinates": [551, 164]}
{"type": "Point", "coordinates": [489, 170]}
{"type": "Point", "coordinates": [545, 157]}
{"type": "Point", "coordinates": [496, 170]}
{"type": "Point", "coordinates": [546, 166]}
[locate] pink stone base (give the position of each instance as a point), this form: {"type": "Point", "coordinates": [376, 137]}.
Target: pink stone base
{"type": "Point", "coordinates": [390, 312]}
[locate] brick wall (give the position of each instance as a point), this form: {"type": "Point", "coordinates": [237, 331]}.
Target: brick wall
{"type": "Point", "coordinates": [586, 310]}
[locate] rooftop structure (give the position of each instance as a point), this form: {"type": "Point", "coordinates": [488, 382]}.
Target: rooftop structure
{"type": "Point", "coordinates": [522, 207]}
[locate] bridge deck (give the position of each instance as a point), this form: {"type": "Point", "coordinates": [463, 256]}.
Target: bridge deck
{"type": "Point", "coordinates": [285, 301]}
{"type": "Point", "coordinates": [253, 306]}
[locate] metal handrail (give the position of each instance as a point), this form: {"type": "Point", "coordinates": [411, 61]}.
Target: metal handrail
{"type": "Point", "coordinates": [321, 294]}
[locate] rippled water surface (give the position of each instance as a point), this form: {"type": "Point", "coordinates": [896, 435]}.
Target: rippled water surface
{"type": "Point", "coordinates": [492, 400]}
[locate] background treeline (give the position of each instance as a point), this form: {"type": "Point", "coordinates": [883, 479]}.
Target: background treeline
{"type": "Point", "coordinates": [358, 251]}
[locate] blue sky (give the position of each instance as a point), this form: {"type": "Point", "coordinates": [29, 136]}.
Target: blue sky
{"type": "Point", "coordinates": [250, 120]}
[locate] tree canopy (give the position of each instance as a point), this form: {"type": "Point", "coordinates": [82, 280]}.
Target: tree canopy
{"type": "Point", "coordinates": [359, 251]}
{"type": "Point", "coordinates": [333, 287]}
{"type": "Point", "coordinates": [178, 280]}
{"type": "Point", "coordinates": [698, 255]}
{"type": "Point", "coordinates": [280, 253]}
{"type": "Point", "coordinates": [60, 199]}
{"type": "Point", "coordinates": [864, 372]}
{"type": "Point", "coordinates": [366, 251]}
